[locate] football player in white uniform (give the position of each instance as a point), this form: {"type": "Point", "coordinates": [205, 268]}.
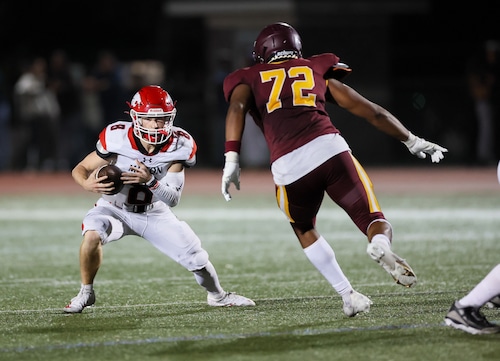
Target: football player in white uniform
{"type": "Point", "coordinates": [152, 154]}
{"type": "Point", "coordinates": [465, 314]}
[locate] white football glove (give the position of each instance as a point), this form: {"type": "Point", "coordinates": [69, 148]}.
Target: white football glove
{"type": "Point", "coordinates": [231, 174]}
{"type": "Point", "coordinates": [498, 171]}
{"type": "Point", "coordinates": [420, 147]}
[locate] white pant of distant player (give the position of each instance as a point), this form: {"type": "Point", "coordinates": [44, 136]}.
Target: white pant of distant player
{"type": "Point", "coordinates": [159, 226]}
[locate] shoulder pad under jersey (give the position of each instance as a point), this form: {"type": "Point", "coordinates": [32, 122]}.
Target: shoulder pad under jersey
{"type": "Point", "coordinates": [113, 136]}
{"type": "Point", "coordinates": [185, 145]}
{"type": "Point", "coordinates": [338, 71]}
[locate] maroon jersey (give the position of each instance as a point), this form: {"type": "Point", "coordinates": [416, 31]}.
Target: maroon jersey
{"type": "Point", "coordinates": [289, 100]}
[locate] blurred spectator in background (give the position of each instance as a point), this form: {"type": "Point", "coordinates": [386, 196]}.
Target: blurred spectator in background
{"type": "Point", "coordinates": [36, 112]}
{"type": "Point", "coordinates": [106, 79]}
{"type": "Point", "coordinates": [483, 72]}
{"type": "Point", "coordinates": [5, 116]}
{"type": "Point", "coordinates": [63, 81]}
{"type": "Point", "coordinates": [103, 91]}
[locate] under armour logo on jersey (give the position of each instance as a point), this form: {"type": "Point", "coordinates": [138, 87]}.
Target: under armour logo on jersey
{"type": "Point", "coordinates": [144, 160]}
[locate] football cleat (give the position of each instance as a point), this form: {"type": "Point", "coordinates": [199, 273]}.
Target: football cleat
{"type": "Point", "coordinates": [357, 303]}
{"type": "Point", "coordinates": [80, 301]}
{"type": "Point", "coordinates": [469, 319]}
{"type": "Point", "coordinates": [397, 267]}
{"type": "Point", "coordinates": [230, 299]}
{"type": "Point", "coordinates": [494, 302]}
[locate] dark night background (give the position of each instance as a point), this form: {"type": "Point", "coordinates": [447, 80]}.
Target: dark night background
{"type": "Point", "coordinates": [413, 57]}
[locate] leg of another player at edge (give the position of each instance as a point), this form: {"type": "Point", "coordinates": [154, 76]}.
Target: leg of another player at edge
{"type": "Point", "coordinates": [484, 291]}
{"type": "Point", "coordinates": [322, 256]}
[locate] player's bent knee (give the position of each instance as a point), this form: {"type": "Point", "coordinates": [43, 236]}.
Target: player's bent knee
{"type": "Point", "coordinates": [91, 237]}
{"type": "Point", "coordinates": [195, 259]}
{"type": "Point", "coordinates": [301, 227]}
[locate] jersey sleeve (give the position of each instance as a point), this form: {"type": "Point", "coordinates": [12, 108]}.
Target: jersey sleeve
{"type": "Point", "coordinates": [185, 148]}
{"type": "Point", "coordinates": [332, 69]}
{"type": "Point", "coordinates": [339, 72]}
{"type": "Point", "coordinates": [335, 69]}
{"type": "Point", "coordinates": [232, 80]}
{"type": "Point", "coordinates": [101, 145]}
{"type": "Point", "coordinates": [111, 138]}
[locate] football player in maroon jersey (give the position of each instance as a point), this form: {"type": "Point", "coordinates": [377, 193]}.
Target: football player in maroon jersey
{"type": "Point", "coordinates": [286, 94]}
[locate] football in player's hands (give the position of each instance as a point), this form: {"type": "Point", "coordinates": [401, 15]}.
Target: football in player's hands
{"type": "Point", "coordinates": [114, 173]}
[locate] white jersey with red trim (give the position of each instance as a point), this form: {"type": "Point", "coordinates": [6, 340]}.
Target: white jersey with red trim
{"type": "Point", "coordinates": [117, 140]}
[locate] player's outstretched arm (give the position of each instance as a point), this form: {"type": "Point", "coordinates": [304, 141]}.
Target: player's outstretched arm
{"type": "Point", "coordinates": [383, 120]}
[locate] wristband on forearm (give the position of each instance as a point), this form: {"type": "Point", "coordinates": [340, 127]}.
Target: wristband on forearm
{"type": "Point", "coordinates": [232, 146]}
{"type": "Point", "coordinates": [152, 183]}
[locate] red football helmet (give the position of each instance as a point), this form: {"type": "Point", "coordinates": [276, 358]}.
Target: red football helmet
{"type": "Point", "coordinates": [277, 41]}
{"type": "Point", "coordinates": [152, 102]}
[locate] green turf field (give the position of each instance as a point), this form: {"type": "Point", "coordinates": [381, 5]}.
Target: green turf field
{"type": "Point", "coordinates": [149, 308]}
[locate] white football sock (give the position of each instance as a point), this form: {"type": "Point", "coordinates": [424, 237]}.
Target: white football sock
{"type": "Point", "coordinates": [87, 288]}
{"type": "Point", "coordinates": [381, 239]}
{"type": "Point", "coordinates": [484, 291]}
{"type": "Point", "coordinates": [208, 279]}
{"type": "Point", "coordinates": [322, 256]}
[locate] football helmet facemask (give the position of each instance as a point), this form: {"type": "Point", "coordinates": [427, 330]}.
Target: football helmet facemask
{"type": "Point", "coordinates": [275, 42]}
{"type": "Point", "coordinates": [152, 102]}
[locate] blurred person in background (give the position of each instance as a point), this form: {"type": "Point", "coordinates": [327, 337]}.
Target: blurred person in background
{"type": "Point", "coordinates": [36, 125]}
{"type": "Point", "coordinates": [63, 81]}
{"type": "Point", "coordinates": [483, 79]}
{"type": "Point", "coordinates": [286, 95]}
{"type": "Point", "coordinates": [106, 79]}
{"type": "Point", "coordinates": [5, 123]}
{"type": "Point", "coordinates": [102, 92]}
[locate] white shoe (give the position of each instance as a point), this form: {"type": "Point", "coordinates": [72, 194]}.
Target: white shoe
{"type": "Point", "coordinates": [230, 299]}
{"type": "Point", "coordinates": [80, 301]}
{"type": "Point", "coordinates": [393, 264]}
{"type": "Point", "coordinates": [357, 303]}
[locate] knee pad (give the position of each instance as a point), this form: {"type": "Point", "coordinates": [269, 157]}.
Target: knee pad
{"type": "Point", "coordinates": [196, 258]}
{"type": "Point", "coordinates": [108, 228]}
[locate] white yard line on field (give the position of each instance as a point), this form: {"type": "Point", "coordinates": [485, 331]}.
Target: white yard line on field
{"type": "Point", "coordinates": [60, 214]}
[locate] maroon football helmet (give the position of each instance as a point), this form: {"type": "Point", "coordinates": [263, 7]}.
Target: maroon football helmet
{"type": "Point", "coordinates": [277, 41]}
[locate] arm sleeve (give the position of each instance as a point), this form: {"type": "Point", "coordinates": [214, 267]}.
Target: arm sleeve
{"type": "Point", "coordinates": [169, 189]}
